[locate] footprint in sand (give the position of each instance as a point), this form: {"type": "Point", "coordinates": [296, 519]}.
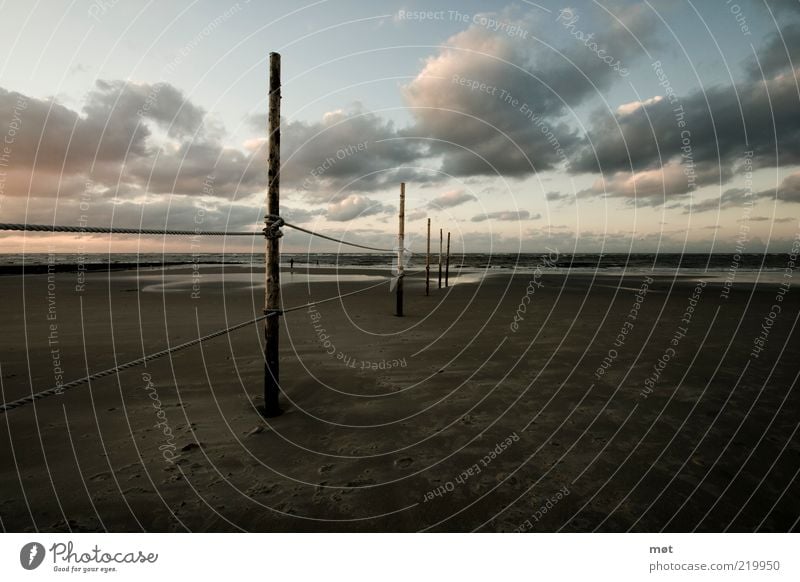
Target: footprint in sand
{"type": "Point", "coordinates": [506, 480]}
{"type": "Point", "coordinates": [361, 482]}
{"type": "Point", "coordinates": [263, 489]}
{"type": "Point", "coordinates": [404, 462]}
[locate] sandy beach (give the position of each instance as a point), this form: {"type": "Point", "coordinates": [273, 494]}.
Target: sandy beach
{"type": "Point", "coordinates": [532, 402]}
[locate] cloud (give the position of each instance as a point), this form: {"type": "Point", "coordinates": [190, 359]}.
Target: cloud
{"type": "Point", "coordinates": [778, 55]}
{"type": "Point", "coordinates": [131, 141]}
{"type": "Point", "coordinates": [347, 150]}
{"type": "Point", "coordinates": [788, 191]}
{"type": "Point", "coordinates": [451, 199]}
{"type": "Point", "coordinates": [734, 197]}
{"type": "Point", "coordinates": [491, 103]}
{"type": "Point", "coordinates": [356, 206]}
{"type": "Point", "coordinates": [115, 123]}
{"type": "Point", "coordinates": [132, 138]}
{"type": "Point", "coordinates": [151, 211]}
{"type": "Point", "coordinates": [111, 142]}
{"type": "Point", "coordinates": [185, 169]}
{"type": "Point", "coordinates": [712, 130]}
{"type": "Point", "coordinates": [768, 219]}
{"type": "Point", "coordinates": [651, 186]}
{"type": "Point", "coordinates": [628, 108]}
{"type": "Point", "coordinates": [565, 198]}
{"type": "Point", "coordinates": [508, 215]}
{"type": "Point", "coordinates": [300, 215]}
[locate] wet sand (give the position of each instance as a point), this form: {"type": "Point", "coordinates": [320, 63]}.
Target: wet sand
{"type": "Point", "coordinates": [456, 417]}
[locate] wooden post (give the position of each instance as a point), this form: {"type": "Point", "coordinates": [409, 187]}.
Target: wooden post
{"type": "Point", "coordinates": [273, 253]}
{"type": "Point", "coordinates": [447, 264]}
{"type": "Point", "coordinates": [428, 262]}
{"type": "Point", "coordinates": [440, 258]}
{"type": "Point", "coordinates": [400, 249]}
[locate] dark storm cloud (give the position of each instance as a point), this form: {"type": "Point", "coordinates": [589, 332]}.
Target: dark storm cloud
{"type": "Point", "coordinates": [485, 102]}
{"type": "Point", "coordinates": [125, 102]}
{"type": "Point", "coordinates": [111, 127]}
{"type": "Point", "coordinates": [348, 150]}
{"type": "Point", "coordinates": [57, 149]}
{"type": "Point", "coordinates": [788, 191]}
{"type": "Point", "coordinates": [110, 146]}
{"type": "Point", "coordinates": [491, 103]}
{"type": "Point", "coordinates": [706, 132]}
{"type": "Point", "coordinates": [199, 167]}
{"type": "Point", "coordinates": [717, 122]}
{"type": "Point", "coordinates": [781, 53]}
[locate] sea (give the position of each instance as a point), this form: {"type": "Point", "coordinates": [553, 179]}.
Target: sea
{"type": "Point", "coordinates": [768, 267]}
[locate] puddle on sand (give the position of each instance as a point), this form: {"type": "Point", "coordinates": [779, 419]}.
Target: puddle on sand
{"type": "Point", "coordinates": [169, 283]}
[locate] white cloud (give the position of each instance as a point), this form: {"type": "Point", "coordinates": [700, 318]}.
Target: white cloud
{"type": "Point", "coordinates": [356, 206]}
{"type": "Point", "coordinates": [451, 199]}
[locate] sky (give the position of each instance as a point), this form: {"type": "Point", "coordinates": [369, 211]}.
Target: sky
{"type": "Point", "coordinates": [613, 126]}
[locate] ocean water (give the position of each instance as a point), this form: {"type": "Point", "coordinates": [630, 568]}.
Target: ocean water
{"type": "Point", "coordinates": [763, 267]}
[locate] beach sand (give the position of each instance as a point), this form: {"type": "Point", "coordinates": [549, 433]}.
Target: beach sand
{"type": "Point", "coordinates": [452, 418]}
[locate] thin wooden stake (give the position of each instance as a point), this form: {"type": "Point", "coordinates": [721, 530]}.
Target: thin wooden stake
{"type": "Point", "coordinates": [400, 249]}
{"type": "Point", "coordinates": [447, 264]}
{"type": "Point", "coordinates": [428, 262]}
{"type": "Point", "coordinates": [273, 253]}
{"type": "Point", "coordinates": [440, 257]}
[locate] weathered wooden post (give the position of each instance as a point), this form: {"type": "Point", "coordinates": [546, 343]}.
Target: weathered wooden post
{"type": "Point", "coordinates": [440, 258]}
{"type": "Point", "coordinates": [428, 262]}
{"type": "Point", "coordinates": [447, 264]}
{"type": "Point", "coordinates": [272, 306]}
{"type": "Point", "coordinates": [401, 249]}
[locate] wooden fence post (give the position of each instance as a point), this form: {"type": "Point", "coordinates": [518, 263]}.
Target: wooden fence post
{"type": "Point", "coordinates": [447, 264]}
{"type": "Point", "coordinates": [428, 262]}
{"type": "Point", "coordinates": [440, 257]}
{"type": "Point", "coordinates": [401, 249]}
{"type": "Point", "coordinates": [272, 306]}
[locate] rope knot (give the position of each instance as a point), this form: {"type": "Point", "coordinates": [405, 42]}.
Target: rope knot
{"type": "Point", "coordinates": [273, 228]}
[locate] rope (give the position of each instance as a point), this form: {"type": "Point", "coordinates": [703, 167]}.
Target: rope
{"type": "Point", "coordinates": [60, 389]}
{"type": "Point", "coordinates": [344, 242]}
{"type": "Point", "coordinates": [86, 379]}
{"type": "Point", "coordinates": [102, 229]}
{"type": "Point", "coordinates": [271, 231]}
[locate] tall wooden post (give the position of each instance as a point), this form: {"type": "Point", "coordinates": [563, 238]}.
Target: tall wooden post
{"type": "Point", "coordinates": [401, 249]}
{"type": "Point", "coordinates": [440, 258]}
{"type": "Point", "coordinates": [273, 254]}
{"type": "Point", "coordinates": [447, 264]}
{"type": "Point", "coordinates": [428, 262]}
